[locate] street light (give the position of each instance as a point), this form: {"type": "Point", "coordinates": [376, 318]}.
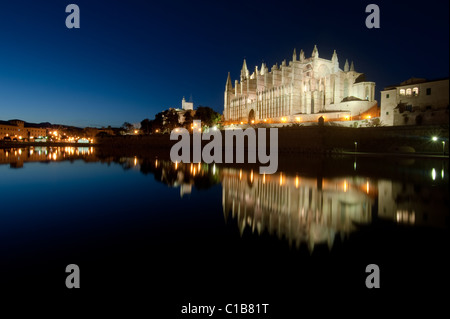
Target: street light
{"type": "Point", "coordinates": [443, 147]}
{"type": "Point", "coordinates": [356, 146]}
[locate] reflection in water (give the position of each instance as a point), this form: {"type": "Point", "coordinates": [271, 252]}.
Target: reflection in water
{"type": "Point", "coordinates": [302, 210]}
{"type": "Point", "coordinates": [16, 157]}
{"type": "Point", "coordinates": [299, 209]}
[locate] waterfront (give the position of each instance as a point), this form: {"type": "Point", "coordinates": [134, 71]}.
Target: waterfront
{"type": "Point", "coordinates": [194, 231]}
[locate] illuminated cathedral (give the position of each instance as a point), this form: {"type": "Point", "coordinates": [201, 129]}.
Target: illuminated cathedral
{"type": "Point", "coordinates": [302, 90]}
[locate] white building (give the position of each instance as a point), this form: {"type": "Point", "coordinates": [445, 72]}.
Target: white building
{"type": "Point", "coordinates": [302, 90]}
{"type": "Point", "coordinates": [415, 101]}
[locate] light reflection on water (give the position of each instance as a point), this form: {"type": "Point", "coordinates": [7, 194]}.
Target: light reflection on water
{"type": "Point", "coordinates": [290, 206]}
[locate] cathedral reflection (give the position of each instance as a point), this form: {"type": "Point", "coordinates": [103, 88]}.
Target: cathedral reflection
{"type": "Point", "coordinates": [299, 209]}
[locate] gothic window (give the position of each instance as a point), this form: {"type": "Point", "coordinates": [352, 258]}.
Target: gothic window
{"type": "Point", "coordinates": [402, 91]}
{"type": "Point", "coordinates": [416, 91]}
{"type": "Point", "coordinates": [367, 93]}
{"type": "Point", "coordinates": [408, 91]}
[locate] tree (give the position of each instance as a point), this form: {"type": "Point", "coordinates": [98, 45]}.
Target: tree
{"type": "Point", "coordinates": [188, 119]}
{"type": "Point", "coordinates": [207, 115]}
{"type": "Point", "coordinates": [146, 126]}
{"type": "Point", "coordinates": [321, 121]}
{"type": "Point", "coordinates": [126, 127]}
{"type": "Point", "coordinates": [170, 120]}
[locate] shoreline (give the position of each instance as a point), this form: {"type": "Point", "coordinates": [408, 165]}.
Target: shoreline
{"type": "Point", "coordinates": [294, 141]}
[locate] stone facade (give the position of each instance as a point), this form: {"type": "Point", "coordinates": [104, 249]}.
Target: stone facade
{"type": "Point", "coordinates": [17, 130]}
{"type": "Point", "coordinates": [304, 87]}
{"type": "Point", "coordinates": [414, 102]}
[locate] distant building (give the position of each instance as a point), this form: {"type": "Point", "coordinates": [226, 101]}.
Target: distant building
{"type": "Point", "coordinates": [303, 90]}
{"type": "Point", "coordinates": [415, 102]}
{"type": "Point", "coordinates": [185, 107]}
{"type": "Point", "coordinates": [16, 129]}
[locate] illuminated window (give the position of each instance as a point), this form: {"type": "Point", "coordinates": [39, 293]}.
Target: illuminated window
{"type": "Point", "coordinates": [408, 91]}
{"type": "Point", "coordinates": [416, 91]}
{"type": "Point", "coordinates": [402, 91]}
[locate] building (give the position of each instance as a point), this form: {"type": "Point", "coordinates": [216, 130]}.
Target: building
{"type": "Point", "coordinates": [414, 102]}
{"type": "Point", "coordinates": [302, 90]}
{"type": "Point", "coordinates": [19, 130]}
{"type": "Point", "coordinates": [185, 107]}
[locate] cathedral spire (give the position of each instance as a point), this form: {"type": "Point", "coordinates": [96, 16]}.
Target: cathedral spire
{"type": "Point", "coordinates": [228, 86]}
{"type": "Point", "coordinates": [294, 55]}
{"type": "Point", "coordinates": [302, 55]}
{"type": "Point", "coordinates": [352, 67]}
{"type": "Point", "coordinates": [334, 58]}
{"type": "Point", "coordinates": [263, 68]}
{"type": "Point", "coordinates": [346, 66]}
{"type": "Point", "coordinates": [244, 71]}
{"type": "Point", "coordinates": [315, 53]}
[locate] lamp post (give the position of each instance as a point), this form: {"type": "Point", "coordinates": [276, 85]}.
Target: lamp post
{"type": "Point", "coordinates": [443, 147]}
{"type": "Point", "coordinates": [356, 146]}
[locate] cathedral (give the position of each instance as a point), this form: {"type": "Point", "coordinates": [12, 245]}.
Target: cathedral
{"type": "Point", "coordinates": [301, 91]}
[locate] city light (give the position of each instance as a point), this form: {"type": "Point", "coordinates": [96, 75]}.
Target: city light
{"type": "Point", "coordinates": [297, 119]}
{"type": "Point", "coordinates": [434, 138]}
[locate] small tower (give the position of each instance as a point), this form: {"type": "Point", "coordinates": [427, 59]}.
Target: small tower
{"type": "Point", "coordinates": [352, 67]}
{"type": "Point", "coordinates": [346, 66]}
{"type": "Point", "coordinates": [294, 55]}
{"type": "Point", "coordinates": [263, 68]}
{"type": "Point", "coordinates": [244, 71]}
{"type": "Point", "coordinates": [228, 85]}
{"type": "Point", "coordinates": [334, 59]}
{"type": "Point", "coordinates": [302, 55]}
{"type": "Point", "coordinates": [315, 53]}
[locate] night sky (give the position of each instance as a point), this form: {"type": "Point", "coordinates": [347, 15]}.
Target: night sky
{"type": "Point", "coordinates": [132, 59]}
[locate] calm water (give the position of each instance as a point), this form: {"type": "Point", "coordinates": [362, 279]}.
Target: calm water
{"type": "Point", "coordinates": [211, 234]}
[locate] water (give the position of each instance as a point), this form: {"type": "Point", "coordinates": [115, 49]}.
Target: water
{"type": "Point", "coordinates": [213, 234]}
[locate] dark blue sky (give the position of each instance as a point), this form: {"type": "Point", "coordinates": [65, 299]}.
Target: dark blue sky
{"type": "Point", "coordinates": [132, 59]}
